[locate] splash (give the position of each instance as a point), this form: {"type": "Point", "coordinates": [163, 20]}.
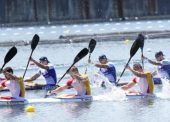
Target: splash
{"type": "Point", "coordinates": [165, 93]}
{"type": "Point", "coordinates": [116, 94]}
{"type": "Point", "coordinates": [110, 91]}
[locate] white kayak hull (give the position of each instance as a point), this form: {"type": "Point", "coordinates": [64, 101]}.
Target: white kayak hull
{"type": "Point", "coordinates": [61, 100]}
{"type": "Point", "coordinates": [45, 100]}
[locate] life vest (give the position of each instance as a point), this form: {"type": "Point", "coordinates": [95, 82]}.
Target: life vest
{"type": "Point", "coordinates": [150, 82]}
{"type": "Point", "coordinates": [22, 87]}
{"type": "Point", "coordinates": [86, 84]}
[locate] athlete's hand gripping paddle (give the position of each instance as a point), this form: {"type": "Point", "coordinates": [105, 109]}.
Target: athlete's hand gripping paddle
{"type": "Point", "coordinates": [133, 50]}
{"type": "Point", "coordinates": [92, 45]}
{"type": "Point", "coordinates": [34, 44]}
{"type": "Point", "coordinates": [78, 57]}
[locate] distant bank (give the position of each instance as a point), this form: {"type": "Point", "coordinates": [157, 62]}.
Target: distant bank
{"type": "Point", "coordinates": [43, 12]}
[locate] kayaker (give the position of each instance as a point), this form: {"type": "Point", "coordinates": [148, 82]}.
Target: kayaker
{"type": "Point", "coordinates": [79, 82]}
{"type": "Point", "coordinates": [106, 68]}
{"type": "Point", "coordinates": [162, 63]}
{"type": "Point", "coordinates": [14, 84]}
{"type": "Point", "coordinates": [143, 79]}
{"type": "Point", "coordinates": [47, 70]}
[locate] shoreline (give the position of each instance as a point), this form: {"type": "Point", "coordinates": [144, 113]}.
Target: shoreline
{"type": "Point", "coordinates": [116, 36]}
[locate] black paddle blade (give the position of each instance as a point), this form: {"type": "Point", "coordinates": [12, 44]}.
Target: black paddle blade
{"type": "Point", "coordinates": [135, 46]}
{"type": "Point", "coordinates": [80, 55]}
{"type": "Point", "coordinates": [140, 39]}
{"type": "Point", "coordinates": [34, 41]}
{"type": "Point", "coordinates": [11, 53]}
{"type": "Point", "coordinates": [92, 45]}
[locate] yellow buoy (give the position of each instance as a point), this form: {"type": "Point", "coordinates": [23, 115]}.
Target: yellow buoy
{"type": "Point", "coordinates": [30, 109]}
{"type": "Point", "coordinates": [126, 41]}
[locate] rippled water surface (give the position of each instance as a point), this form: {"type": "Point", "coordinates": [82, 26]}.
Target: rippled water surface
{"type": "Point", "coordinates": [111, 109]}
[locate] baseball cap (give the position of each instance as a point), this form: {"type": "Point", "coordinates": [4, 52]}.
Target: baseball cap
{"type": "Point", "coordinates": [44, 59]}
{"type": "Point", "coordinates": [102, 57]}
{"type": "Point", "coordinates": [157, 54]}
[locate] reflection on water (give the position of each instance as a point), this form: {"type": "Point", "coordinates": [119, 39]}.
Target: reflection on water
{"type": "Point", "coordinates": [76, 109]}
{"type": "Point", "coordinates": [11, 111]}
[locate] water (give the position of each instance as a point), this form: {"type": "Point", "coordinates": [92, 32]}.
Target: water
{"type": "Point", "coordinates": [54, 31]}
{"type": "Point", "coordinates": [113, 108]}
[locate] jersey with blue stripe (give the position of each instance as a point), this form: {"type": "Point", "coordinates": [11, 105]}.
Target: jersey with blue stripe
{"type": "Point", "coordinates": [109, 72]}
{"type": "Point", "coordinates": [49, 75]}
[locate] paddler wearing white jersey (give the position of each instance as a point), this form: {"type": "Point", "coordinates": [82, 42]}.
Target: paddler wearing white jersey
{"type": "Point", "coordinates": [14, 84]}
{"type": "Point", "coordinates": [143, 79]}
{"type": "Point", "coordinates": [79, 82]}
{"type": "Point", "coordinates": [46, 69]}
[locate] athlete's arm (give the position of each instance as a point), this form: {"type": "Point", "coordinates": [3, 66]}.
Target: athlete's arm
{"type": "Point", "coordinates": [39, 64]}
{"type": "Point", "coordinates": [101, 65]}
{"type": "Point", "coordinates": [33, 77]}
{"type": "Point", "coordinates": [138, 74]}
{"type": "Point", "coordinates": [59, 89]}
{"type": "Point", "coordinates": [128, 86]}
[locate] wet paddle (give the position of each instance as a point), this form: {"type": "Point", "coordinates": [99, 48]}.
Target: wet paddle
{"type": "Point", "coordinates": [78, 57]}
{"type": "Point", "coordinates": [10, 54]}
{"type": "Point", "coordinates": [140, 40]}
{"type": "Point", "coordinates": [133, 50]}
{"type": "Point", "coordinates": [92, 45]}
{"type": "Point", "coordinates": [34, 44]}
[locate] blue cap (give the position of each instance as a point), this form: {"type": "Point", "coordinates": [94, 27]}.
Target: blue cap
{"type": "Point", "coordinates": [43, 59]}
{"type": "Point", "coordinates": [157, 54]}
{"type": "Point", "coordinates": [102, 57]}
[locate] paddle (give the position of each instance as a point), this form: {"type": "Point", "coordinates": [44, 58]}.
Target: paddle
{"type": "Point", "coordinates": [10, 54]}
{"type": "Point", "coordinates": [92, 45]}
{"type": "Point", "coordinates": [78, 57]}
{"type": "Point", "coordinates": [34, 44]}
{"type": "Point", "coordinates": [133, 50]}
{"type": "Point", "coordinates": [140, 40]}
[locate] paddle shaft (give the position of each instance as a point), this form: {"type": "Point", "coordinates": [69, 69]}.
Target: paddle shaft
{"type": "Point", "coordinates": [3, 66]}
{"type": "Point", "coordinates": [142, 58]}
{"type": "Point", "coordinates": [88, 59]}
{"type": "Point", "coordinates": [28, 63]}
{"type": "Point", "coordinates": [123, 70]}
{"type": "Point", "coordinates": [65, 73]}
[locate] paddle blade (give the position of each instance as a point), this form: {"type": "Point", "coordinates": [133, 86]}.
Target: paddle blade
{"type": "Point", "coordinates": [11, 53]}
{"type": "Point", "coordinates": [34, 41]}
{"type": "Point", "coordinates": [140, 39]}
{"type": "Point", "coordinates": [92, 45]}
{"type": "Point", "coordinates": [135, 46]}
{"type": "Point", "coordinates": [80, 55]}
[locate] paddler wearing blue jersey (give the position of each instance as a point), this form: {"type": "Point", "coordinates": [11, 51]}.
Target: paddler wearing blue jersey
{"type": "Point", "coordinates": [46, 69]}
{"type": "Point", "coordinates": [162, 63]}
{"type": "Point", "coordinates": [106, 68]}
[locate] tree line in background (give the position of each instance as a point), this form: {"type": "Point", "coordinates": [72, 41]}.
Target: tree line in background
{"type": "Point", "coordinates": [45, 11]}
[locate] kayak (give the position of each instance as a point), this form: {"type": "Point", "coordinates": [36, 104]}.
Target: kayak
{"type": "Point", "coordinates": [86, 98]}
{"type": "Point", "coordinates": [61, 99]}
{"type": "Point", "coordinates": [140, 96]}
{"type": "Point", "coordinates": [36, 87]}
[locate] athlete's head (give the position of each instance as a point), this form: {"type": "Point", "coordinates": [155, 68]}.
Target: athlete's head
{"type": "Point", "coordinates": [44, 60]}
{"type": "Point", "coordinates": [159, 56]}
{"type": "Point", "coordinates": [103, 59]}
{"type": "Point", "coordinates": [8, 70]}
{"type": "Point", "coordinates": [137, 67]}
{"type": "Point", "coordinates": [73, 71]}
